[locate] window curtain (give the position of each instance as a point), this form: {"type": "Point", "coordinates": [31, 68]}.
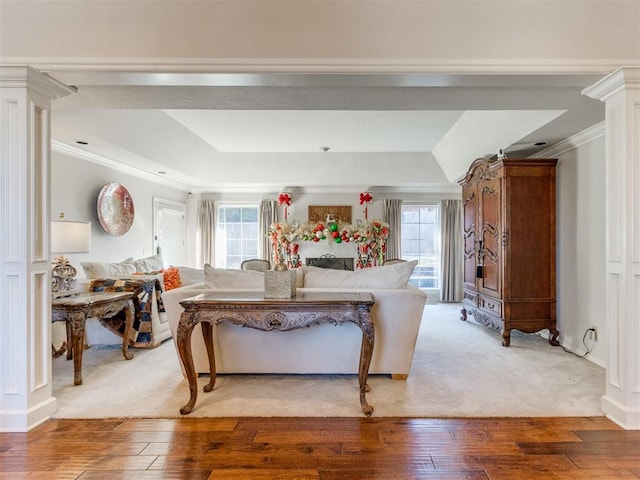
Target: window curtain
{"type": "Point", "coordinates": [267, 216]}
{"type": "Point", "coordinates": [392, 214]}
{"type": "Point", "coordinates": [207, 230]}
{"type": "Point", "coordinates": [451, 261]}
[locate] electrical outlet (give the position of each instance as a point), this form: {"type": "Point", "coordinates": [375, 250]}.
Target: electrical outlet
{"type": "Point", "coordinates": [593, 333]}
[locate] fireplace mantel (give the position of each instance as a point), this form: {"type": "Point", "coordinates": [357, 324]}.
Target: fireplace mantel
{"type": "Point", "coordinates": [330, 261]}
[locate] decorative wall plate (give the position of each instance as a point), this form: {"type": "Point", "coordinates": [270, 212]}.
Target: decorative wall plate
{"type": "Point", "coordinates": [115, 209]}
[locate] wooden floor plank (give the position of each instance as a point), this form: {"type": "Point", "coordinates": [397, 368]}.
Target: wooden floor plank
{"type": "Point", "coordinates": [501, 473]}
{"type": "Point", "coordinates": [322, 449]}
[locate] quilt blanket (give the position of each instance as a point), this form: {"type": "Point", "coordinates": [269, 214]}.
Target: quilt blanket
{"type": "Point", "coordinates": [142, 335]}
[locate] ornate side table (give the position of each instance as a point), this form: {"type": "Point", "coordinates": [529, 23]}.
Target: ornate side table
{"type": "Point", "coordinates": [268, 314]}
{"type": "Point", "coordinates": [76, 309]}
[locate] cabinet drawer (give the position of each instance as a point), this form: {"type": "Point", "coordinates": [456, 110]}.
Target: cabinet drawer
{"type": "Point", "coordinates": [494, 306]}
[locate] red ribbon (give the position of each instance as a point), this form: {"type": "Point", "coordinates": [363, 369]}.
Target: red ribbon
{"type": "Point", "coordinates": [365, 197]}
{"type": "Point", "coordinates": [284, 198]}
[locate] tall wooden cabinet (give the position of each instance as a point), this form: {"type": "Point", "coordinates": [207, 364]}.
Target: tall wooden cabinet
{"type": "Point", "coordinates": [510, 245]}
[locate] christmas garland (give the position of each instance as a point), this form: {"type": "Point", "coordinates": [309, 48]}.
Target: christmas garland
{"type": "Point", "coordinates": [370, 237]}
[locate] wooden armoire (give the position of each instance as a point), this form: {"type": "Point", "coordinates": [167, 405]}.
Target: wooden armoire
{"type": "Point", "coordinates": [510, 245]}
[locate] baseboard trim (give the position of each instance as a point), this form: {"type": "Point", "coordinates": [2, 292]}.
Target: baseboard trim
{"type": "Point", "coordinates": [25, 420]}
{"type": "Point", "coordinates": [627, 418]}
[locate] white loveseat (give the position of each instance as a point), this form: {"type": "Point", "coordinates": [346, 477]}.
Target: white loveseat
{"type": "Point", "coordinates": [319, 349]}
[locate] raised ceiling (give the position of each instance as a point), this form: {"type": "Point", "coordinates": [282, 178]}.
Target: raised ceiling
{"type": "Point", "coordinates": [214, 132]}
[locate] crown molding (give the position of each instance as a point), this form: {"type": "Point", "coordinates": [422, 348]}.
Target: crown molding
{"type": "Point", "coordinates": [27, 77]}
{"type": "Point", "coordinates": [507, 66]}
{"type": "Point", "coordinates": [573, 142]}
{"type": "Point", "coordinates": [64, 148]}
{"type": "Point", "coordinates": [622, 79]}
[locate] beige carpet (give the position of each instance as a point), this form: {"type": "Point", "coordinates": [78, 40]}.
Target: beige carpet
{"type": "Point", "coordinates": [460, 369]}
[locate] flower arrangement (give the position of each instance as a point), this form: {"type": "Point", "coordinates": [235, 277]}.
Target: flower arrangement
{"type": "Point", "coordinates": [370, 237]}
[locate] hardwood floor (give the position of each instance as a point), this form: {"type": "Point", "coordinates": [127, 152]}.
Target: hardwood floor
{"type": "Point", "coordinates": [322, 448]}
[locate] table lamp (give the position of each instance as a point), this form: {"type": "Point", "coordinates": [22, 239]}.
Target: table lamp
{"type": "Point", "coordinates": [67, 237]}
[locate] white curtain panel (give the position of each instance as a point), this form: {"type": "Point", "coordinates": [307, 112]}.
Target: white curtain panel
{"type": "Point", "coordinates": [392, 214]}
{"type": "Point", "coordinates": [266, 216]}
{"type": "Point", "coordinates": [451, 261]}
{"type": "Point", "coordinates": [207, 229]}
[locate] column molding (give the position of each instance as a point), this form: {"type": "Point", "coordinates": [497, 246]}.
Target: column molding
{"type": "Point", "coordinates": [621, 93]}
{"type": "Point", "coordinates": [25, 295]}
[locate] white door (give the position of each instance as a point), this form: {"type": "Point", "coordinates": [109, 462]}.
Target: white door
{"type": "Point", "coordinates": [170, 231]}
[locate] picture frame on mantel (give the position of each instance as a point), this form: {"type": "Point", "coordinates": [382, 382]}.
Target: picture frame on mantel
{"type": "Point", "coordinates": [318, 213]}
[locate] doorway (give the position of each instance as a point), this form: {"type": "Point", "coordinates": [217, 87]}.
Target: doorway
{"type": "Point", "coordinates": [169, 231]}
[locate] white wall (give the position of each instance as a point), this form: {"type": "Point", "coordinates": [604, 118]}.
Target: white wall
{"type": "Point", "coordinates": [75, 185]}
{"type": "Point", "coordinates": [581, 247]}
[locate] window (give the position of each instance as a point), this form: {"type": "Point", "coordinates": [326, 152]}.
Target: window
{"type": "Point", "coordinates": [236, 234]}
{"type": "Point", "coordinates": [421, 241]}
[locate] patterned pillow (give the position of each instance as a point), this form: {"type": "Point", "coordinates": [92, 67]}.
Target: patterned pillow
{"type": "Point", "coordinates": [171, 279]}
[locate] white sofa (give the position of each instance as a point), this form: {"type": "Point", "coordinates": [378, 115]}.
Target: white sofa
{"type": "Point", "coordinates": [319, 349]}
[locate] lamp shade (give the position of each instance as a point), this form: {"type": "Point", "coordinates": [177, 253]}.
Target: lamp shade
{"type": "Point", "coordinates": [70, 237]}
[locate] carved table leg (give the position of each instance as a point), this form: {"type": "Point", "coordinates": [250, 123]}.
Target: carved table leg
{"type": "Point", "coordinates": [366, 351]}
{"type": "Point", "coordinates": [553, 335]}
{"type": "Point", "coordinates": [128, 328]}
{"type": "Point", "coordinates": [77, 324]}
{"type": "Point", "coordinates": [60, 351]}
{"type": "Point", "coordinates": [506, 337]}
{"type": "Point", "coordinates": [463, 314]}
{"type": "Point", "coordinates": [185, 328]}
{"type": "Point", "coordinates": [67, 327]}
{"type": "Point", "coordinates": [207, 334]}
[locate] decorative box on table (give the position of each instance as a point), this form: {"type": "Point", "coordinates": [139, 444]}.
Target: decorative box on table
{"type": "Point", "coordinates": [279, 283]}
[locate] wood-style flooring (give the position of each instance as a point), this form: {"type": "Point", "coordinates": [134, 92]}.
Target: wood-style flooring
{"type": "Point", "coordinates": [323, 449]}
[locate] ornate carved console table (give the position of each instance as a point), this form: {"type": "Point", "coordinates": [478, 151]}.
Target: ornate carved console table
{"type": "Point", "coordinates": [273, 314]}
{"type": "Point", "coordinates": [76, 309]}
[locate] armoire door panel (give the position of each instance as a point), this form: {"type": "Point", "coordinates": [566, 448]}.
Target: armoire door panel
{"type": "Point", "coordinates": [470, 254]}
{"type": "Point", "coordinates": [489, 234]}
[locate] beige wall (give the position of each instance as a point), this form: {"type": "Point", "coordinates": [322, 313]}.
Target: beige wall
{"type": "Point", "coordinates": [439, 35]}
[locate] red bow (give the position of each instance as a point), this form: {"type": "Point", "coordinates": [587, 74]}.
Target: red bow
{"type": "Point", "coordinates": [365, 197]}
{"type": "Point", "coordinates": [284, 198]}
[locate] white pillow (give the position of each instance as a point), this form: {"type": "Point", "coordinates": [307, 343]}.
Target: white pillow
{"type": "Point", "coordinates": [190, 276]}
{"type": "Point", "coordinates": [107, 269]}
{"type": "Point", "coordinates": [149, 264]}
{"type": "Point", "coordinates": [389, 276]}
{"type": "Point", "coordinates": [218, 278]}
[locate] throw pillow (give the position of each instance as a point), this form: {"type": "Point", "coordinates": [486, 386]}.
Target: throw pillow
{"type": "Point", "coordinates": [389, 276]}
{"type": "Point", "coordinates": [223, 278]}
{"type": "Point", "coordinates": [171, 279]}
{"type": "Point", "coordinates": [107, 269]}
{"type": "Point", "coordinates": [149, 264]}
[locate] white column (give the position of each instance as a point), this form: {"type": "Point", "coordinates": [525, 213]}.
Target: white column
{"type": "Point", "coordinates": [621, 93]}
{"type": "Point", "coordinates": [25, 299]}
